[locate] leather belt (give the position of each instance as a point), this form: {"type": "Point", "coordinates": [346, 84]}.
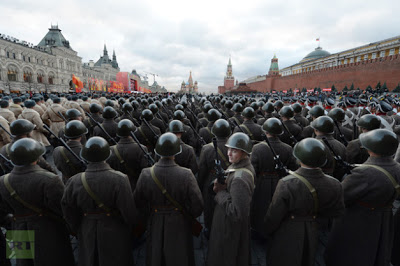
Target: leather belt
{"type": "Point", "coordinates": [374, 207]}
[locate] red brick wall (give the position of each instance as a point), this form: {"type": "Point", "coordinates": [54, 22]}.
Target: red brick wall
{"type": "Point", "coordinates": [361, 74]}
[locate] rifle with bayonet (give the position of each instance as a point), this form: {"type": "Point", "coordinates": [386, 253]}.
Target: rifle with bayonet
{"type": "Point", "coordinates": [150, 160]}
{"type": "Point", "coordinates": [7, 165]}
{"type": "Point", "coordinates": [5, 130]}
{"type": "Point", "coordinates": [63, 117]}
{"type": "Point", "coordinates": [291, 137]}
{"type": "Point", "coordinates": [279, 166]}
{"type": "Point", "coordinates": [219, 171]}
{"type": "Point", "coordinates": [202, 141]}
{"type": "Point", "coordinates": [347, 167]}
{"type": "Point", "coordinates": [65, 145]}
{"type": "Point", "coordinates": [344, 140]}
{"type": "Point", "coordinates": [133, 119]}
{"type": "Point", "coordinates": [233, 124]}
{"type": "Point", "coordinates": [156, 136]}
{"type": "Point", "coordinates": [102, 128]}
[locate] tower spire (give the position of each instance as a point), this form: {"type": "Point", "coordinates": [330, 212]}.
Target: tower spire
{"type": "Point", "coordinates": [105, 50]}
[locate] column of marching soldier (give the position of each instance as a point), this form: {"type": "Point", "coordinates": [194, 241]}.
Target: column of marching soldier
{"type": "Point", "coordinates": [318, 183]}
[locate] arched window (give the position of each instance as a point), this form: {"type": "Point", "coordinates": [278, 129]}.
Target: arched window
{"type": "Point", "coordinates": [12, 73]}
{"type": "Point", "coordinates": [40, 77]}
{"type": "Point", "coordinates": [51, 78]}
{"type": "Point", "coordinates": [27, 76]}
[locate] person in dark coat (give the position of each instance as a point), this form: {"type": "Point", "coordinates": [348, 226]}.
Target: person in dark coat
{"type": "Point", "coordinates": [205, 132]}
{"type": "Point", "coordinates": [126, 156]}
{"type": "Point", "coordinates": [237, 118]}
{"type": "Point", "coordinates": [156, 120]}
{"type": "Point", "coordinates": [267, 109]}
{"type": "Point", "coordinates": [230, 232]}
{"type": "Point", "coordinates": [145, 134]}
{"type": "Point", "coordinates": [187, 158]}
{"type": "Point", "coordinates": [340, 132]}
{"type": "Point", "coordinates": [188, 134]}
{"type": "Point", "coordinates": [221, 130]}
{"type": "Point", "coordinates": [291, 128]}
{"type": "Point", "coordinates": [109, 125]}
{"type": "Point", "coordinates": [301, 120]}
{"type": "Point", "coordinates": [95, 110]}
{"type": "Point", "coordinates": [296, 215]}
{"type": "Point", "coordinates": [66, 162]}
{"type": "Point", "coordinates": [267, 176]}
{"type": "Point", "coordinates": [169, 239]}
{"type": "Point", "coordinates": [364, 235]}
{"type": "Point", "coordinates": [315, 112]}
{"type": "Point", "coordinates": [41, 191]}
{"type": "Point", "coordinates": [253, 130]}
{"type": "Point", "coordinates": [355, 153]}
{"type": "Point", "coordinates": [102, 212]}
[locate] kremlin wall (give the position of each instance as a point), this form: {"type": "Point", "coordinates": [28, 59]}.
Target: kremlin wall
{"type": "Point", "coordinates": [361, 66]}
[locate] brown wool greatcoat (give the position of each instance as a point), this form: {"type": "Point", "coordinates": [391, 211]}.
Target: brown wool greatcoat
{"type": "Point", "coordinates": [38, 133]}
{"type": "Point", "coordinates": [290, 222]}
{"type": "Point", "coordinates": [4, 137]}
{"type": "Point", "coordinates": [256, 133]}
{"type": "Point", "coordinates": [230, 233]}
{"type": "Point", "coordinates": [52, 117]}
{"type": "Point", "coordinates": [7, 114]}
{"type": "Point", "coordinates": [146, 136]}
{"type": "Point", "coordinates": [364, 235]}
{"type": "Point", "coordinates": [110, 126]}
{"type": "Point", "coordinates": [331, 167]}
{"type": "Point", "coordinates": [16, 109]}
{"type": "Point", "coordinates": [187, 158]}
{"type": "Point", "coordinates": [169, 239]}
{"type": "Point", "coordinates": [267, 177]}
{"type": "Point", "coordinates": [103, 239]}
{"type": "Point", "coordinates": [355, 153]}
{"type": "Point", "coordinates": [44, 190]}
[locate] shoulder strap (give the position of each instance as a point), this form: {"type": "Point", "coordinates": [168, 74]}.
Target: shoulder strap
{"type": "Point", "coordinates": [223, 157]}
{"type": "Point", "coordinates": [238, 170]}
{"type": "Point", "coordinates": [116, 151]}
{"type": "Point", "coordinates": [248, 131]}
{"type": "Point", "coordinates": [8, 150]}
{"type": "Point", "coordinates": [14, 195]}
{"type": "Point", "coordinates": [310, 188]}
{"type": "Point", "coordinates": [391, 178]}
{"type": "Point", "coordinates": [62, 151]}
{"type": "Point", "coordinates": [237, 120]}
{"type": "Point", "coordinates": [92, 195]}
{"type": "Point", "coordinates": [144, 136]}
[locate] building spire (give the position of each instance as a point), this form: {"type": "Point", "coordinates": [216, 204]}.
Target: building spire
{"type": "Point", "coordinates": [229, 63]}
{"type": "Point", "coordinates": [114, 56]}
{"type": "Point", "coordinates": [105, 50]}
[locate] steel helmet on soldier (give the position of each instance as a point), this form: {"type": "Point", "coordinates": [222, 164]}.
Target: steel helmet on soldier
{"type": "Point", "coordinates": [153, 108]}
{"type": "Point", "coordinates": [310, 152]}
{"type": "Point", "coordinates": [127, 107]}
{"type": "Point", "coordinates": [109, 103]}
{"type": "Point", "coordinates": [213, 115]}
{"type": "Point", "coordinates": [176, 126]}
{"type": "Point", "coordinates": [278, 104]}
{"type": "Point", "coordinates": [96, 149]}
{"type": "Point", "coordinates": [287, 111]}
{"type": "Point", "coordinates": [221, 128]}
{"type": "Point", "coordinates": [75, 129]}
{"type": "Point", "coordinates": [380, 141]}
{"type": "Point", "coordinates": [168, 144]}
{"type": "Point", "coordinates": [317, 111]}
{"type": "Point", "coordinates": [21, 127]}
{"type": "Point", "coordinates": [369, 122]}
{"type": "Point", "coordinates": [268, 108]}
{"type": "Point", "coordinates": [179, 115]}
{"type": "Point", "coordinates": [297, 108]}
{"type": "Point", "coordinates": [109, 112]}
{"type": "Point", "coordinates": [324, 124]}
{"type": "Point", "coordinates": [147, 115]}
{"type": "Point", "coordinates": [237, 108]}
{"type": "Point", "coordinates": [207, 107]}
{"type": "Point", "coordinates": [26, 151]}
{"type": "Point", "coordinates": [179, 107]}
{"type": "Point", "coordinates": [248, 112]}
{"type": "Point", "coordinates": [125, 127]}
{"type": "Point", "coordinates": [240, 141]}
{"type": "Point", "coordinates": [94, 108]}
{"type": "Point", "coordinates": [72, 114]}
{"type": "Point", "coordinates": [229, 104]}
{"type": "Point", "coordinates": [337, 114]}
{"type": "Point", "coordinates": [273, 126]}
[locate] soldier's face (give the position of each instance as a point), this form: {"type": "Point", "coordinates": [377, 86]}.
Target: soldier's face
{"type": "Point", "coordinates": [235, 155]}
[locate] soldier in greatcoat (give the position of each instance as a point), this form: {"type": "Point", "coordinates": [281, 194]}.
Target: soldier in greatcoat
{"type": "Point", "coordinates": [15, 107]}
{"type": "Point", "coordinates": [205, 132]}
{"type": "Point", "coordinates": [109, 125]}
{"type": "Point", "coordinates": [253, 130]}
{"type": "Point", "coordinates": [292, 128]}
{"type": "Point", "coordinates": [169, 239]}
{"type": "Point", "coordinates": [95, 113]}
{"type": "Point", "coordinates": [267, 176]}
{"type": "Point", "coordinates": [230, 232]}
{"type": "Point", "coordinates": [53, 116]}
{"type": "Point", "coordinates": [99, 207]}
{"type": "Point", "coordinates": [302, 205]}
{"type": "Point", "coordinates": [146, 135]}
{"type": "Point", "coordinates": [5, 111]}
{"type": "Point", "coordinates": [33, 195]}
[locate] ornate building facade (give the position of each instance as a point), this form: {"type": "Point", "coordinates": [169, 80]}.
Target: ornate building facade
{"type": "Point", "coordinates": [48, 66]}
{"type": "Point", "coordinates": [189, 87]}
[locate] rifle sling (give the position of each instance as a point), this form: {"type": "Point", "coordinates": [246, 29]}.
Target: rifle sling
{"type": "Point", "coordinates": [92, 195]}
{"type": "Point", "coordinates": [391, 178]}
{"type": "Point", "coordinates": [121, 160]}
{"type": "Point", "coordinates": [310, 188]}
{"type": "Point", "coordinates": [223, 157]}
{"type": "Point", "coordinates": [144, 136]}
{"type": "Point", "coordinates": [248, 131]}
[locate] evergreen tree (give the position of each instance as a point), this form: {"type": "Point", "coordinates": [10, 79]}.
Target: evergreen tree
{"type": "Point", "coordinates": [352, 87]}
{"type": "Point", "coordinates": [345, 88]}
{"type": "Point", "coordinates": [378, 86]}
{"type": "Point", "coordinates": [397, 89]}
{"type": "Point", "coordinates": [384, 87]}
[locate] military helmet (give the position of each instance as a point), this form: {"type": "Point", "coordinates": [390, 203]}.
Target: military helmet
{"type": "Point", "coordinates": [297, 108]}
{"type": "Point", "coordinates": [96, 149]}
{"type": "Point", "coordinates": [21, 127]}
{"type": "Point", "coordinates": [168, 144]}
{"type": "Point", "coordinates": [179, 107]}
{"type": "Point", "coordinates": [75, 129]}
{"type": "Point", "coordinates": [29, 103]}
{"type": "Point", "coordinates": [317, 111]}
{"type": "Point", "coordinates": [109, 112]}
{"type": "Point", "coordinates": [254, 105]}
{"type": "Point", "coordinates": [237, 108]}
{"type": "Point", "coordinates": [221, 128]}
{"type": "Point", "coordinates": [287, 111]}
{"type": "Point", "coordinates": [176, 126]}
{"type": "Point", "coordinates": [311, 152]}
{"type": "Point", "coordinates": [109, 103]}
{"type": "Point", "coordinates": [144, 102]}
{"type": "Point", "coordinates": [94, 108]}
{"type": "Point", "coordinates": [268, 108]}
{"type": "Point", "coordinates": [273, 126]}
{"type": "Point", "coordinates": [179, 115]}
{"type": "Point", "coordinates": [26, 151]}
{"type": "Point", "coordinates": [229, 104]}
{"type": "Point", "coordinates": [369, 122]}
{"type": "Point", "coordinates": [380, 141]}
{"type": "Point", "coordinates": [184, 104]}
{"type": "Point", "coordinates": [248, 112]}
{"type": "Point", "coordinates": [329, 101]}
{"type": "Point", "coordinates": [127, 107]}
{"type": "Point", "coordinates": [278, 104]}
{"type": "Point", "coordinates": [213, 115]}
{"type": "Point", "coordinates": [207, 107]}
{"type": "Point", "coordinates": [240, 141]}
{"type": "Point", "coordinates": [337, 114]}
{"type": "Point", "coordinates": [125, 127]}
{"type": "Point", "coordinates": [72, 114]}
{"type": "Point", "coordinates": [324, 124]}
{"type": "Point", "coordinates": [147, 115]}
{"type": "Point", "coordinates": [153, 108]}
{"type": "Point", "coordinates": [159, 104]}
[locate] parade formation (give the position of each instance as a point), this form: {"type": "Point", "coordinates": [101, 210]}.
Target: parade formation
{"type": "Point", "coordinates": [314, 177]}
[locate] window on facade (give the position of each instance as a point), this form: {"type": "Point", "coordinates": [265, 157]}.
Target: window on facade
{"type": "Point", "coordinates": [382, 54]}
{"type": "Point", "coordinates": [27, 76]}
{"type": "Point", "coordinates": [29, 59]}
{"type": "Point", "coordinates": [40, 78]}
{"type": "Point", "coordinates": [391, 52]}
{"type": "Point", "coordinates": [373, 56]}
{"type": "Point", "coordinates": [14, 55]}
{"type": "Point", "coordinates": [51, 78]}
{"type": "Point", "coordinates": [358, 58]}
{"type": "Point", "coordinates": [8, 54]}
{"type": "Point", "coordinates": [12, 75]}
{"type": "Point", "coordinates": [23, 57]}
{"type": "Point", "coordinates": [352, 60]}
{"type": "Point", "coordinates": [345, 61]}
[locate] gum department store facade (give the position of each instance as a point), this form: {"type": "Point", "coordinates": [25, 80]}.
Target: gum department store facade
{"type": "Point", "coordinates": [48, 66]}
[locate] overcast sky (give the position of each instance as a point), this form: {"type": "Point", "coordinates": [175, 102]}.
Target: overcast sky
{"type": "Point", "coordinates": [172, 38]}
